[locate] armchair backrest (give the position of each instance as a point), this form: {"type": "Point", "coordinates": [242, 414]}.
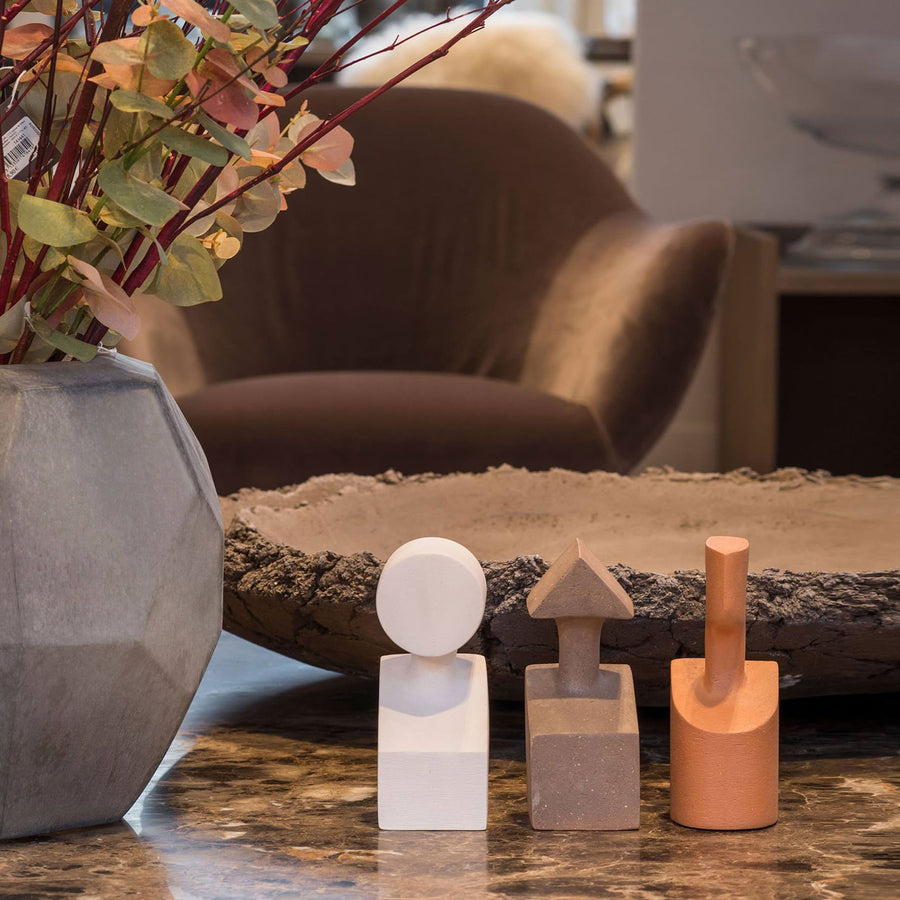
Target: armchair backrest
{"type": "Point", "coordinates": [465, 207]}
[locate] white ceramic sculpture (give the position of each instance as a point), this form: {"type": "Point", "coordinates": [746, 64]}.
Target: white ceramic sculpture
{"type": "Point", "coordinates": [433, 701]}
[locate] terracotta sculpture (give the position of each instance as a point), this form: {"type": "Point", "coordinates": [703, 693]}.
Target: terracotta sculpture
{"type": "Point", "coordinates": [724, 711]}
{"type": "Point", "coordinates": [580, 719]}
{"type": "Point", "coordinates": [433, 701]}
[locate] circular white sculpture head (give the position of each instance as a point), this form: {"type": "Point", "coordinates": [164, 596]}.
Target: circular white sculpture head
{"type": "Point", "coordinates": [430, 598]}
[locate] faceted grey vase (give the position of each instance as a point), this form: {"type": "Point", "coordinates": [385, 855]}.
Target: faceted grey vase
{"type": "Point", "coordinates": [110, 587]}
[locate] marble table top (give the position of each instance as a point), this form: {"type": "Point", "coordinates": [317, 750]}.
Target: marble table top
{"type": "Point", "coordinates": [269, 792]}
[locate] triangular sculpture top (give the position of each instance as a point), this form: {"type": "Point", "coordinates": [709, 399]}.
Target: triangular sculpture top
{"type": "Point", "coordinates": [578, 584]}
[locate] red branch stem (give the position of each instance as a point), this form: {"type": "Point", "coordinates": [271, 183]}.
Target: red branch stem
{"type": "Point", "coordinates": [317, 134]}
{"type": "Point", "coordinates": [311, 16]}
{"type": "Point", "coordinates": [115, 20]}
{"type": "Point", "coordinates": [21, 65]}
{"type": "Point", "coordinates": [326, 67]}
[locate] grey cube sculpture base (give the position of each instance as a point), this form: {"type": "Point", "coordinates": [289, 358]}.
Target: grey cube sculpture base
{"type": "Point", "coordinates": [583, 756]}
{"type": "Point", "coordinates": [110, 601]}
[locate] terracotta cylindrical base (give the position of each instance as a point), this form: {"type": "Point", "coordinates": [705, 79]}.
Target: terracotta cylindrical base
{"type": "Point", "coordinates": [724, 761]}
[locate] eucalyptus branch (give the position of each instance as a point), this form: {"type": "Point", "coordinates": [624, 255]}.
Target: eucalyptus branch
{"type": "Point", "coordinates": [186, 110]}
{"type": "Point", "coordinates": [111, 186]}
{"type": "Point", "coordinates": [53, 41]}
{"type": "Point", "coordinates": [129, 256]}
{"type": "Point", "coordinates": [115, 21]}
{"type": "Point", "coordinates": [397, 42]}
{"type": "Point", "coordinates": [317, 134]}
{"type": "Point", "coordinates": [89, 166]}
{"type": "Point", "coordinates": [18, 354]}
{"type": "Point", "coordinates": [10, 14]}
{"type": "Point", "coordinates": [90, 30]}
{"type": "Point", "coordinates": [13, 249]}
{"type": "Point", "coordinates": [40, 158]}
{"type": "Point", "coordinates": [64, 171]}
{"type": "Point", "coordinates": [317, 19]}
{"type": "Point", "coordinates": [16, 101]}
{"type": "Point", "coordinates": [325, 68]}
{"type": "Point", "coordinates": [170, 231]}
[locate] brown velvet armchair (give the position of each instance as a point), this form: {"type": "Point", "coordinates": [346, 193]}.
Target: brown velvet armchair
{"type": "Point", "coordinates": [488, 293]}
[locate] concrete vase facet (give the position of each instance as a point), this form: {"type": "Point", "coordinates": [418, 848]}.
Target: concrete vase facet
{"type": "Point", "coordinates": [110, 600]}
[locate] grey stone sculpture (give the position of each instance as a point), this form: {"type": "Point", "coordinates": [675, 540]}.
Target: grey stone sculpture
{"type": "Point", "coordinates": [581, 728]}
{"type": "Point", "coordinates": [110, 601]}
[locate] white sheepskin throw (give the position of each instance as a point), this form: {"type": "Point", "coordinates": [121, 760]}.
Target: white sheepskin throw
{"type": "Point", "coordinates": [530, 55]}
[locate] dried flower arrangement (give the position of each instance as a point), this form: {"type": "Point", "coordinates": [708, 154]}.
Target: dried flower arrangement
{"type": "Point", "coordinates": [141, 141]}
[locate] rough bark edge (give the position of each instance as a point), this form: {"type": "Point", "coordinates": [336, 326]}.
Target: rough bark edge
{"type": "Point", "coordinates": [831, 633]}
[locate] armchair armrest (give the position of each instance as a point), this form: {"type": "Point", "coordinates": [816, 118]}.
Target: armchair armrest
{"type": "Point", "coordinates": [748, 356]}
{"type": "Point", "coordinates": [624, 322]}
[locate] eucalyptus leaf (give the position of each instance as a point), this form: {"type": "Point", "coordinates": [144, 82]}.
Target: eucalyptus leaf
{"type": "Point", "coordinates": [194, 13]}
{"type": "Point", "coordinates": [12, 323]}
{"type": "Point", "coordinates": [68, 343]}
{"type": "Point", "coordinates": [149, 164]}
{"type": "Point", "coordinates": [163, 256]}
{"type": "Point", "coordinates": [31, 248]}
{"type": "Point", "coordinates": [133, 101]}
{"type": "Point", "coordinates": [169, 53]}
{"type": "Point", "coordinates": [44, 7]}
{"type": "Point", "coordinates": [66, 85]}
{"type": "Point", "coordinates": [194, 172]}
{"type": "Point", "coordinates": [52, 258]}
{"type": "Point", "coordinates": [113, 215]}
{"type": "Point", "coordinates": [102, 250]}
{"type": "Point", "coordinates": [226, 138]}
{"type": "Point", "coordinates": [77, 47]}
{"type": "Point", "coordinates": [229, 225]}
{"type": "Point", "coordinates": [117, 131]}
{"type": "Point", "coordinates": [194, 145]}
{"type": "Point", "coordinates": [107, 300]}
{"type": "Point", "coordinates": [152, 286]}
{"type": "Point", "coordinates": [343, 174]}
{"type": "Point", "coordinates": [150, 204]}
{"type": "Point", "coordinates": [110, 244]}
{"type": "Point", "coordinates": [191, 277]}
{"type": "Point", "coordinates": [261, 13]}
{"type": "Point", "coordinates": [200, 226]}
{"type": "Point", "coordinates": [53, 223]}
{"type": "Point", "coordinates": [118, 53]}
{"type": "Point", "coordinates": [38, 352]}
{"type": "Point", "coordinates": [241, 40]}
{"type": "Point", "coordinates": [295, 42]}
{"type": "Point", "coordinates": [16, 190]}
{"type": "Point", "coordinates": [86, 139]}
{"type": "Point", "coordinates": [257, 208]}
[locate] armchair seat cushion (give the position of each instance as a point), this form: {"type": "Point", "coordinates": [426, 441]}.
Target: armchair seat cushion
{"type": "Point", "coordinates": [274, 430]}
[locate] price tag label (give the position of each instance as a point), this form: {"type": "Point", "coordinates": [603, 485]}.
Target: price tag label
{"type": "Point", "coordinates": [20, 140]}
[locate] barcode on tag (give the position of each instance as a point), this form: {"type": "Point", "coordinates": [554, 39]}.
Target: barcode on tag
{"type": "Point", "coordinates": [19, 143]}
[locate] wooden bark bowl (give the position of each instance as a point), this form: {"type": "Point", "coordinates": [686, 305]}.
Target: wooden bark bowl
{"type": "Point", "coordinates": [823, 597]}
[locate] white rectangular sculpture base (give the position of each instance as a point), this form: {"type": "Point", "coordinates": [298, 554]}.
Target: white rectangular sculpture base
{"type": "Point", "coordinates": [432, 746]}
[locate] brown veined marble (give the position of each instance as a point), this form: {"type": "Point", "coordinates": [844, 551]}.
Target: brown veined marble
{"type": "Point", "coordinates": [269, 792]}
